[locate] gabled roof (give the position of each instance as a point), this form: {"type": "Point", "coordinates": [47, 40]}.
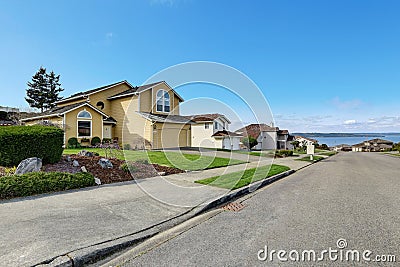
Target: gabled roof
{"type": "Point", "coordinates": [165, 118]}
{"type": "Point", "coordinates": [92, 91]}
{"type": "Point", "coordinates": [206, 117]}
{"type": "Point", "coordinates": [254, 130]}
{"type": "Point", "coordinates": [139, 89]}
{"type": "Point", "coordinates": [59, 111]}
{"type": "Point", "coordinates": [133, 90]}
{"type": "Point", "coordinates": [226, 133]}
{"type": "Point", "coordinates": [110, 120]}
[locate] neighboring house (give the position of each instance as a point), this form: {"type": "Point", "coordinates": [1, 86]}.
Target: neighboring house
{"type": "Point", "coordinates": [374, 145]}
{"type": "Point", "coordinates": [342, 147]}
{"type": "Point", "coordinates": [267, 137]}
{"type": "Point", "coordinates": [144, 116]}
{"type": "Point", "coordinates": [304, 141]}
{"type": "Point", "coordinates": [212, 131]}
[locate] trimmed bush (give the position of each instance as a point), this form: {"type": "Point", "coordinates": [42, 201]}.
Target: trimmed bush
{"type": "Point", "coordinates": [21, 142]}
{"type": "Point", "coordinates": [73, 143]}
{"type": "Point", "coordinates": [95, 141]}
{"type": "Point", "coordinates": [42, 182]}
{"type": "Point", "coordinates": [283, 153]}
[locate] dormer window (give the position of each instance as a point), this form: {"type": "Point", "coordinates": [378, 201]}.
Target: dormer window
{"type": "Point", "coordinates": [163, 101]}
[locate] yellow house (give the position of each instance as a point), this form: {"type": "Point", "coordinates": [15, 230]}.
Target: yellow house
{"type": "Point", "coordinates": [144, 116]}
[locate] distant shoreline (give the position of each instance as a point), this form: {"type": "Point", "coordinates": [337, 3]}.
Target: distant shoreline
{"type": "Point", "coordinates": [335, 135]}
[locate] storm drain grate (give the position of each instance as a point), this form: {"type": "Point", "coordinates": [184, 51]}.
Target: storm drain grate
{"type": "Point", "coordinates": [233, 206]}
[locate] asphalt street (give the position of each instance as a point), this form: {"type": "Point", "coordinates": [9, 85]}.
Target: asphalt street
{"type": "Point", "coordinates": [349, 202]}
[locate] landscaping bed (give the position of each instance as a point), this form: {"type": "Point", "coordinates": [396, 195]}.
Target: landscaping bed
{"type": "Point", "coordinates": [112, 175]}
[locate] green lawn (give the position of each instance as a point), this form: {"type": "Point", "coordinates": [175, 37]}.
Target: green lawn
{"type": "Point", "coordinates": [307, 158]}
{"type": "Point", "coordinates": [242, 178]}
{"type": "Point", "coordinates": [171, 159]}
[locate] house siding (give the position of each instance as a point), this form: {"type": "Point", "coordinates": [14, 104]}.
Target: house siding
{"type": "Point", "coordinates": [71, 123]}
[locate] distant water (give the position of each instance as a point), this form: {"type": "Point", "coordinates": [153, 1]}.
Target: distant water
{"type": "Point", "coordinates": [334, 141]}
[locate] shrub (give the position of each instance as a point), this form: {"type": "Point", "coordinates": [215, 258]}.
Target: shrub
{"type": "Point", "coordinates": [95, 141]}
{"type": "Point", "coordinates": [10, 171]}
{"type": "Point", "coordinates": [21, 142]}
{"type": "Point", "coordinates": [106, 140]}
{"type": "Point", "coordinates": [42, 182]}
{"type": "Point", "coordinates": [249, 142]}
{"type": "Point", "coordinates": [128, 167]}
{"type": "Point", "coordinates": [73, 143]}
{"type": "Point", "coordinates": [127, 147]}
{"type": "Point", "coordinates": [283, 153]}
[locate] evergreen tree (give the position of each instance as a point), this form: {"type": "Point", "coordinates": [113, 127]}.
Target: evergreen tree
{"type": "Point", "coordinates": [43, 91]}
{"type": "Point", "coordinates": [54, 89]}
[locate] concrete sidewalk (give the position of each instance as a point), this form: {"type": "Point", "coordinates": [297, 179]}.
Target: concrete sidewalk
{"type": "Point", "coordinates": [40, 228]}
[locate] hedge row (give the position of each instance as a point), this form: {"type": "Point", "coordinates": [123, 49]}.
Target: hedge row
{"type": "Point", "coordinates": [42, 182]}
{"type": "Point", "coordinates": [21, 142]}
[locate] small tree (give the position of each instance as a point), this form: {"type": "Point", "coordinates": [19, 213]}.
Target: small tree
{"type": "Point", "coordinates": [249, 142]}
{"type": "Point", "coordinates": [43, 91]}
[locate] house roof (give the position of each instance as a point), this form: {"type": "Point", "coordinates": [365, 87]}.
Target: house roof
{"type": "Point", "coordinates": [226, 133]}
{"type": "Point", "coordinates": [283, 132]}
{"type": "Point", "coordinates": [92, 91]}
{"type": "Point", "coordinates": [58, 111]}
{"type": "Point", "coordinates": [359, 145]}
{"type": "Point", "coordinates": [165, 118]}
{"type": "Point", "coordinates": [133, 90]}
{"type": "Point", "coordinates": [380, 141]}
{"type": "Point", "coordinates": [139, 89]}
{"type": "Point", "coordinates": [254, 130]}
{"type": "Point", "coordinates": [206, 117]}
{"type": "Point", "coordinates": [110, 120]}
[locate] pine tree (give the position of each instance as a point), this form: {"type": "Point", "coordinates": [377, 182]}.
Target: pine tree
{"type": "Point", "coordinates": [54, 89]}
{"type": "Point", "coordinates": [43, 91]}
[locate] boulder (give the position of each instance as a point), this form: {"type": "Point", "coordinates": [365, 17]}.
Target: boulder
{"type": "Point", "coordinates": [69, 159]}
{"type": "Point", "coordinates": [83, 168]}
{"type": "Point", "coordinates": [75, 163]}
{"type": "Point", "coordinates": [105, 163]}
{"type": "Point", "coordinates": [85, 153]}
{"type": "Point", "coordinates": [29, 165]}
{"type": "Point", "coordinates": [97, 181]}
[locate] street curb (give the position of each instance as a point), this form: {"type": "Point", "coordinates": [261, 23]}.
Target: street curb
{"type": "Point", "coordinates": [94, 253]}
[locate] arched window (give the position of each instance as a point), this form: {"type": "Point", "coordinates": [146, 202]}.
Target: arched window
{"type": "Point", "coordinates": [84, 124]}
{"type": "Point", "coordinates": [84, 115]}
{"type": "Point", "coordinates": [163, 101]}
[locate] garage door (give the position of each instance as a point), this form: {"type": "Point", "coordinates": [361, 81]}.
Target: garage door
{"type": "Point", "coordinates": [170, 137]}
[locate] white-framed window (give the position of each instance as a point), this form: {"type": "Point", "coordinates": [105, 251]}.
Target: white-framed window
{"type": "Point", "coordinates": [215, 125]}
{"type": "Point", "coordinates": [84, 124]}
{"type": "Point", "coordinates": [163, 101]}
{"type": "Point", "coordinates": [206, 126]}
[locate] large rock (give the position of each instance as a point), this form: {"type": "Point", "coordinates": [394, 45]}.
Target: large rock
{"type": "Point", "coordinates": [29, 165]}
{"type": "Point", "coordinates": [105, 163]}
{"type": "Point", "coordinates": [85, 153]}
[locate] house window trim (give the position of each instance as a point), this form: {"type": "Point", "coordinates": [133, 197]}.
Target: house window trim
{"type": "Point", "coordinates": [163, 101]}
{"type": "Point", "coordinates": [206, 125]}
{"type": "Point", "coordinates": [77, 129]}
{"type": "Point", "coordinates": [79, 119]}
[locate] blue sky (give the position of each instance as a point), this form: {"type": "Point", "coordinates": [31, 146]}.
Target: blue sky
{"type": "Point", "coordinates": [322, 65]}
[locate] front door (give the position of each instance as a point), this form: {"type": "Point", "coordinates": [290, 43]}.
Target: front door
{"type": "Point", "coordinates": [107, 131]}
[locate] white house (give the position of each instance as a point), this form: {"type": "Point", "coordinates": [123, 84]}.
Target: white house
{"type": "Point", "coordinates": [212, 131]}
{"type": "Point", "coordinates": [267, 137]}
{"type": "Point", "coordinates": [304, 141]}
